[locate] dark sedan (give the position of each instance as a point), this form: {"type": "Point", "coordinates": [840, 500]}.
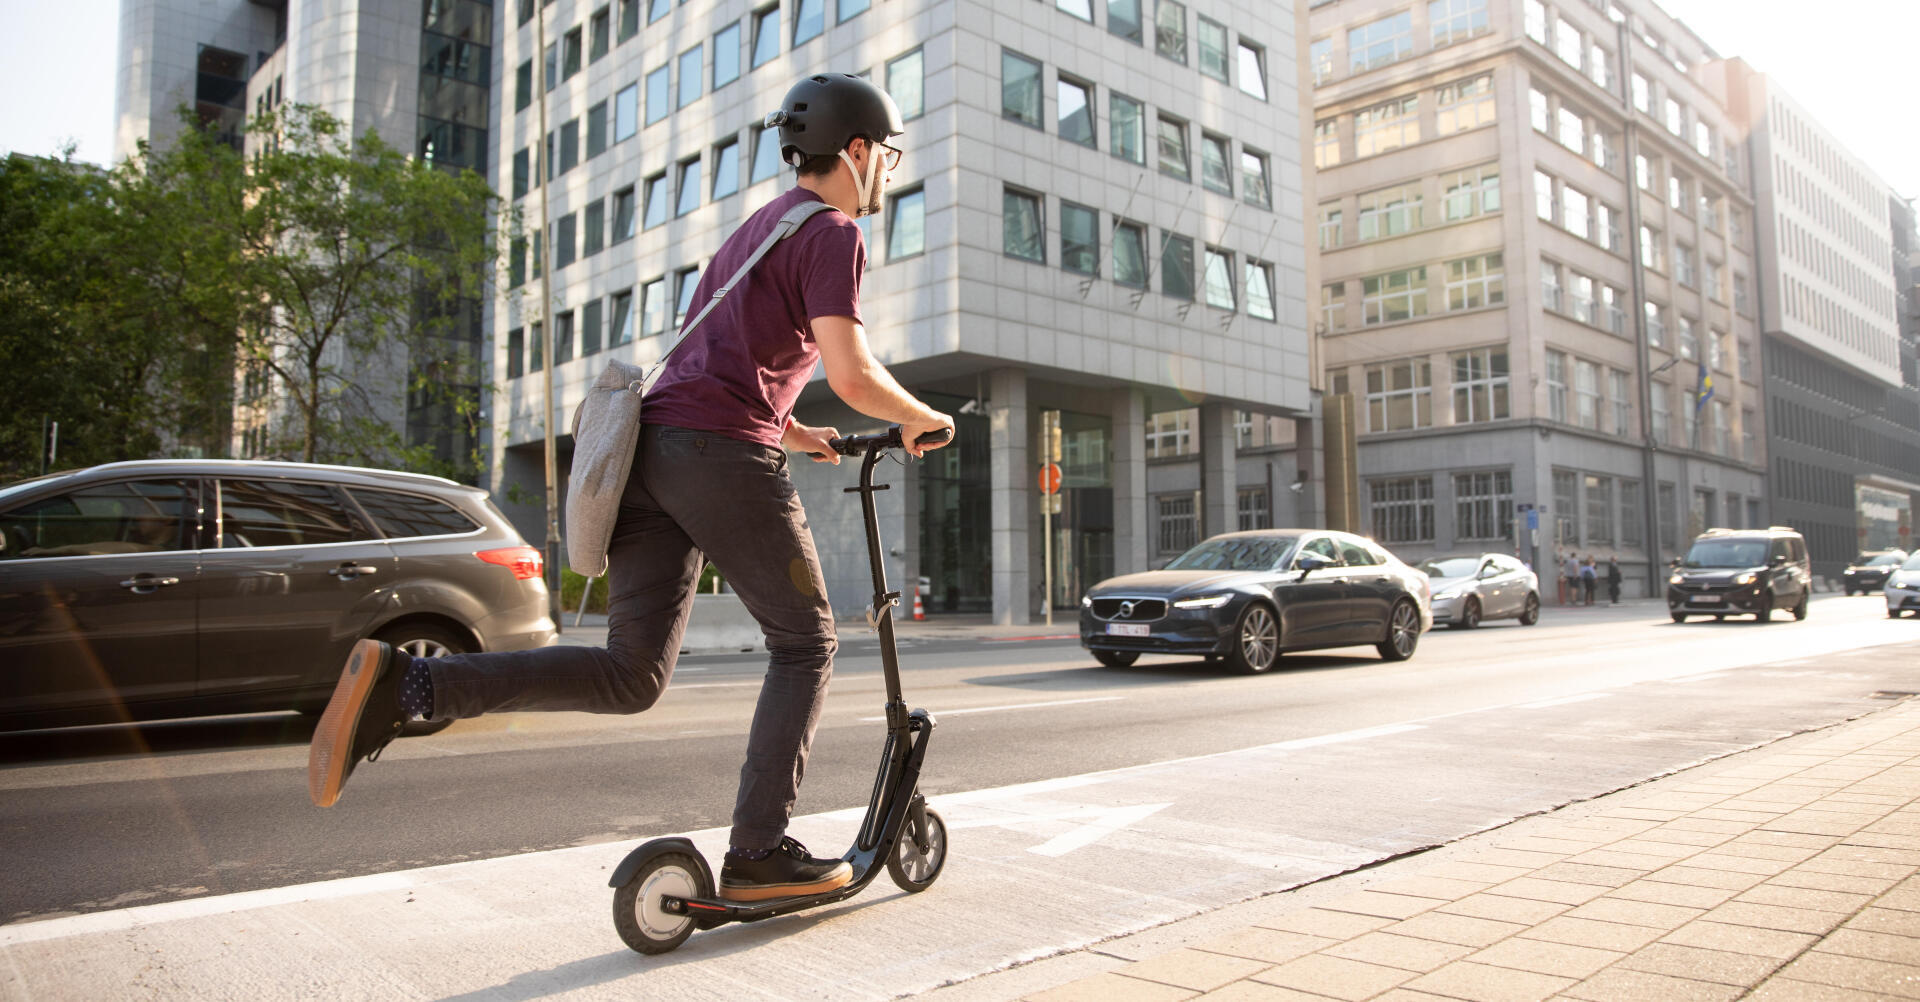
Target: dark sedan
{"type": "Point", "coordinates": [1249, 596]}
{"type": "Point", "coordinates": [1869, 574]}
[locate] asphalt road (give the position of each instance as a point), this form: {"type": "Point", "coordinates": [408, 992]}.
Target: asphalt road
{"type": "Point", "coordinates": [1524, 718]}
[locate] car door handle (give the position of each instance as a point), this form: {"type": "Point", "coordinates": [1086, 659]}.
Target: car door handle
{"type": "Point", "coordinates": [143, 584]}
{"type": "Point", "coordinates": [347, 572]}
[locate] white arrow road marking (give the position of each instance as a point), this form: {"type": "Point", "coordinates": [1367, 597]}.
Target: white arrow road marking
{"type": "Point", "coordinates": [1107, 820]}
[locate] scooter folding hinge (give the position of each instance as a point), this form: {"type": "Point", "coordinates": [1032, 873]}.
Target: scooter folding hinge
{"type": "Point", "coordinates": [896, 715]}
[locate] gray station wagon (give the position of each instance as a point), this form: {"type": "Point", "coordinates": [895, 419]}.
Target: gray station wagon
{"type": "Point", "coordinates": [171, 588]}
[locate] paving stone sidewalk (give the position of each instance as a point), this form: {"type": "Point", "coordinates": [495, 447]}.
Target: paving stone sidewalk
{"type": "Point", "coordinates": [1787, 873]}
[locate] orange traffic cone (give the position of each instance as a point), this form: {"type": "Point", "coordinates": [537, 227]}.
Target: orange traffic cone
{"type": "Point", "coordinates": [919, 611]}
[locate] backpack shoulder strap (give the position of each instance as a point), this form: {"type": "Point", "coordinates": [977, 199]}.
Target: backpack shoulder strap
{"type": "Point", "coordinates": [789, 224]}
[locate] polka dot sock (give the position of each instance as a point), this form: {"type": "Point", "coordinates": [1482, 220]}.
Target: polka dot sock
{"type": "Point", "coordinates": [416, 690]}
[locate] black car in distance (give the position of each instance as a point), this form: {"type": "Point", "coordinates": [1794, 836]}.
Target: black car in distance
{"type": "Point", "coordinates": [1869, 574]}
{"type": "Point", "coordinates": [1248, 596]}
{"type": "Point", "coordinates": [1731, 572]}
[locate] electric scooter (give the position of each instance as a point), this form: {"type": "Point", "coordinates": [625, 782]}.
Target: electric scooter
{"type": "Point", "coordinates": [664, 890]}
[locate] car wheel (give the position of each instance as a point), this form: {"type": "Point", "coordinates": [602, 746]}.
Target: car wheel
{"type": "Point", "coordinates": [1470, 616]}
{"type": "Point", "coordinates": [1116, 659]}
{"type": "Point", "coordinates": [1765, 615]}
{"type": "Point", "coordinates": [1800, 608]}
{"type": "Point", "coordinates": [1893, 614]}
{"type": "Point", "coordinates": [1256, 645]}
{"type": "Point", "coordinates": [422, 640]}
{"type": "Point", "coordinates": [1530, 613]}
{"type": "Point", "coordinates": [1849, 592]}
{"type": "Point", "coordinates": [1403, 633]}
{"type": "Point", "coordinates": [1678, 617]}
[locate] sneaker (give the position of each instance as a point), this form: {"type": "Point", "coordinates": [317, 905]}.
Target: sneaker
{"type": "Point", "coordinates": [786, 871]}
{"type": "Point", "coordinates": [361, 718]}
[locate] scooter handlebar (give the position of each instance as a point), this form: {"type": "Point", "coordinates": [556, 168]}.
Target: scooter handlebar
{"type": "Point", "coordinates": [854, 445]}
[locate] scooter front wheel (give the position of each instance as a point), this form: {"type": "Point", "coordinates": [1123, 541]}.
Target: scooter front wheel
{"type": "Point", "coordinates": [638, 914]}
{"type": "Point", "coordinates": [912, 868]}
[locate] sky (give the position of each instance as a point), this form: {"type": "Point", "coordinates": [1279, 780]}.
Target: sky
{"type": "Point", "coordinates": [1847, 67]}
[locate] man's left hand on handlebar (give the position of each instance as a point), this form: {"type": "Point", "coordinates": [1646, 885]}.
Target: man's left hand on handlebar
{"type": "Point", "coordinates": [811, 440]}
{"type": "Point", "coordinates": [910, 432]}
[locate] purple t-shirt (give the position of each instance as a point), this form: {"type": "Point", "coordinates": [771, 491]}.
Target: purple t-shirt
{"type": "Point", "coordinates": [742, 369]}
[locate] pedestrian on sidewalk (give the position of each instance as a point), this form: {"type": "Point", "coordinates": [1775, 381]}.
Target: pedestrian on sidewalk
{"type": "Point", "coordinates": [1613, 581]}
{"type": "Point", "coordinates": [710, 482]}
{"type": "Point", "coordinates": [1588, 577]}
{"type": "Point", "coordinates": [1570, 580]}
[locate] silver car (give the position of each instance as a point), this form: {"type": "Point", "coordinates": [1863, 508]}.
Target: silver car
{"type": "Point", "coordinates": [172, 588]}
{"type": "Point", "coordinates": [1468, 590]}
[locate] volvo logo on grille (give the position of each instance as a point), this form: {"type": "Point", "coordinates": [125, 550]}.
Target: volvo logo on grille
{"type": "Point", "coordinates": [1126, 609]}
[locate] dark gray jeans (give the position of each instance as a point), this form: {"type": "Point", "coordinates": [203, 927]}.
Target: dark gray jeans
{"type": "Point", "coordinates": [693, 496]}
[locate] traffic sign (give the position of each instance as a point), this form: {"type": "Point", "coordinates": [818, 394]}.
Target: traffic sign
{"type": "Point", "coordinates": [1050, 478]}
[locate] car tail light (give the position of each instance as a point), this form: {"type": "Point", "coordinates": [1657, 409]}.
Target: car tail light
{"type": "Point", "coordinates": [524, 561]}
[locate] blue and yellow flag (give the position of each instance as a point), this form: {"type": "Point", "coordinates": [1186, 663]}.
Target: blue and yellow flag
{"type": "Point", "coordinates": [1703, 390]}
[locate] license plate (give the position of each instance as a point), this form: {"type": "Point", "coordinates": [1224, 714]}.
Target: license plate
{"type": "Point", "coordinates": [1707, 599]}
{"type": "Point", "coordinates": [1128, 629]}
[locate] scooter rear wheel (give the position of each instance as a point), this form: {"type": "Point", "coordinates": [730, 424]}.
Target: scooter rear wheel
{"type": "Point", "coordinates": [637, 913]}
{"type": "Point", "coordinates": [913, 870]}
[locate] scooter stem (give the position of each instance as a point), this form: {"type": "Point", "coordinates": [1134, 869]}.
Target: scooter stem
{"type": "Point", "coordinates": [884, 601]}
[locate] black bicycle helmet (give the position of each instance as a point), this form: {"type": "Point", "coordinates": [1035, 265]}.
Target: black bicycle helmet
{"type": "Point", "coordinates": [824, 112]}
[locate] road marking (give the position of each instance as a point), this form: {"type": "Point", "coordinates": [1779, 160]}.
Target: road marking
{"type": "Point", "coordinates": [1696, 678]}
{"type": "Point", "coordinates": [1044, 636]}
{"type": "Point", "coordinates": [1106, 821]}
{"type": "Point", "coordinates": [1564, 700]}
{"type": "Point", "coordinates": [174, 911]}
{"type": "Point", "coordinates": [1332, 739]}
{"type": "Point", "coordinates": [1012, 706]}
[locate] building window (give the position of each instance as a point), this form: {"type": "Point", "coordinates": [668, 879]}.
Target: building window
{"type": "Point", "coordinates": [1179, 530]}
{"type": "Point", "coordinates": [1126, 128]}
{"type": "Point", "coordinates": [620, 327]}
{"type": "Point", "coordinates": [563, 338]}
{"type": "Point", "coordinates": [1482, 504]}
{"type": "Point", "coordinates": [1566, 508]}
{"type": "Point", "coordinates": [1260, 290]}
{"type": "Point", "coordinates": [1586, 394]}
{"type": "Point", "coordinates": [523, 86]}
{"type": "Point", "coordinates": [1391, 212]}
{"type": "Point", "coordinates": [629, 19]}
{"type": "Point", "coordinates": [1024, 234]}
{"type": "Point", "coordinates": [1386, 126]}
{"type": "Point", "coordinates": [1333, 307]}
{"type": "Point", "coordinates": [1380, 43]}
{"type": "Point", "coordinates": [566, 239]}
{"type": "Point", "coordinates": [569, 145]}
{"type": "Point", "coordinates": [1253, 69]}
{"type": "Point", "coordinates": [726, 55]}
{"type": "Point", "coordinates": [1474, 282]}
{"type": "Point", "coordinates": [1464, 104]}
{"type": "Point", "coordinates": [1653, 249]}
{"type": "Point", "coordinates": [1400, 395]}
{"type": "Point", "coordinates": [689, 187]}
{"type": "Point", "coordinates": [1673, 116]}
{"type": "Point", "coordinates": [1599, 510]}
{"type": "Point", "coordinates": [692, 75]}
{"type": "Point", "coordinates": [1212, 39]}
{"type": "Point", "coordinates": [1481, 386]}
{"type": "Point", "coordinates": [1667, 503]}
{"type": "Point", "coordinates": [1019, 88]}
{"type": "Point", "coordinates": [516, 353]}
{"type": "Point", "coordinates": [1215, 175]}
{"type": "Point", "coordinates": [1396, 295]}
{"type": "Point", "coordinates": [1641, 92]}
{"type": "Point", "coordinates": [846, 10]}
{"type": "Point", "coordinates": [656, 9]}
{"type": "Point", "coordinates": [1660, 424]}
{"type": "Point", "coordinates": [1606, 226]}
{"type": "Point", "coordinates": [1572, 130]}
{"type": "Point", "coordinates": [1123, 18]}
{"type": "Point", "coordinates": [1617, 402]}
{"type": "Point", "coordinates": [1536, 21]}
{"type": "Point", "coordinates": [1686, 343]}
{"type": "Point", "coordinates": [766, 155]}
{"type": "Point", "coordinates": [1573, 212]}
{"type": "Point", "coordinates": [590, 327]}
{"type": "Point", "coordinates": [1320, 58]}
{"type": "Point", "coordinates": [1254, 187]}
{"type": "Point", "coordinates": [1656, 324]}
{"type": "Point", "coordinates": [1557, 386]}
{"type": "Point", "coordinates": [1567, 43]}
{"type": "Point", "coordinates": [536, 348]}
{"type": "Point", "coordinates": [1612, 315]}
{"type": "Point", "coordinates": [686, 280]}
{"type": "Point", "coordinates": [906, 83]}
{"type": "Point", "coordinates": [1173, 148]}
{"type": "Point", "coordinates": [1176, 267]}
{"type": "Point", "coordinates": [1470, 192]}
{"type": "Point", "coordinates": [656, 199]}
{"type": "Point", "coordinates": [1630, 513]}
{"type": "Point", "coordinates": [659, 95]}
{"type": "Point", "coordinates": [1253, 509]}
{"type": "Point", "coordinates": [1170, 30]}
{"type": "Point", "coordinates": [907, 224]}
{"type": "Point", "coordinates": [655, 312]}
{"type": "Point", "coordinates": [521, 170]}
{"type": "Point", "coordinates": [1683, 265]}
{"type": "Point", "coordinates": [1538, 113]}
{"type": "Point", "coordinates": [623, 214]}
{"type": "Point", "coordinates": [1326, 142]}
{"type": "Point", "coordinates": [1456, 20]}
{"type": "Point", "coordinates": [766, 35]}
{"type": "Point", "coordinates": [1543, 195]}
{"type": "Point", "coordinates": [1217, 280]}
{"type": "Point", "coordinates": [594, 229]}
{"type": "Point", "coordinates": [1075, 99]}
{"type": "Point", "coordinates": [809, 20]}
{"type": "Point", "coordinates": [1082, 9]}
{"type": "Point", "coordinates": [1129, 254]}
{"type": "Point", "coordinates": [1401, 510]}
{"type": "Point", "coordinates": [1079, 239]}
{"type": "Point", "coordinates": [1332, 226]}
{"type": "Point", "coordinates": [626, 112]}
{"type": "Point", "coordinates": [1580, 292]}
{"type": "Point", "coordinates": [726, 168]}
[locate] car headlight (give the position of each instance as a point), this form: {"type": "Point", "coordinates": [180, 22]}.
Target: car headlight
{"type": "Point", "coordinates": [1675, 579]}
{"type": "Point", "coordinates": [1744, 579]}
{"type": "Point", "coordinates": [1448, 594]}
{"type": "Point", "coordinates": [1203, 602]}
{"type": "Point", "coordinates": [1086, 601]}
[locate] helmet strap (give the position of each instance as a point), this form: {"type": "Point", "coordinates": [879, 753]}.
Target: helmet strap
{"type": "Point", "coordinates": [867, 191]}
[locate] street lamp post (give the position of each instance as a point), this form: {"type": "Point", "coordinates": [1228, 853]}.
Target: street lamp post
{"type": "Point", "coordinates": [545, 261]}
{"type": "Point", "coordinates": [1630, 151]}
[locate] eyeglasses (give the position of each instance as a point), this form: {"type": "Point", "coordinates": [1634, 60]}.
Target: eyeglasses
{"type": "Point", "coordinates": [892, 155]}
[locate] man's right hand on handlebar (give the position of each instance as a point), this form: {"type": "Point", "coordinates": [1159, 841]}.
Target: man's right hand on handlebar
{"type": "Point", "coordinates": [932, 421]}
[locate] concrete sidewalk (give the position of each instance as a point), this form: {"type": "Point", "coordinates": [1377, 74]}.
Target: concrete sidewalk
{"type": "Point", "coordinates": [1787, 872]}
